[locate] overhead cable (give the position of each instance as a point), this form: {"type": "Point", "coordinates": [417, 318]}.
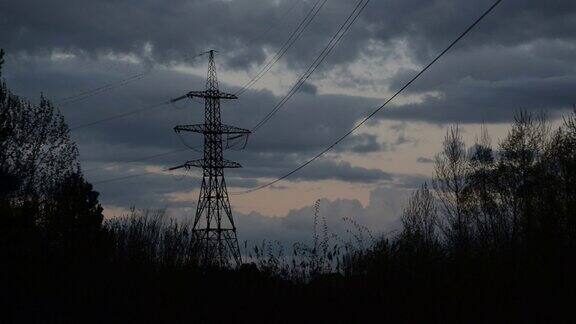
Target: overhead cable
{"type": "Point", "coordinates": [375, 111]}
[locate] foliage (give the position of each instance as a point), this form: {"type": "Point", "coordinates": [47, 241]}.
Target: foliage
{"type": "Point", "coordinates": [47, 210]}
{"type": "Point", "coordinates": [35, 145]}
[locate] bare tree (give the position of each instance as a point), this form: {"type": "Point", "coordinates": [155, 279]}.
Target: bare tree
{"type": "Point", "coordinates": [519, 179]}
{"type": "Point", "coordinates": [41, 178]}
{"type": "Point", "coordinates": [35, 144]}
{"type": "Point", "coordinates": [420, 219]}
{"type": "Point", "coordinates": [449, 183]}
{"type": "Point", "coordinates": [484, 209]}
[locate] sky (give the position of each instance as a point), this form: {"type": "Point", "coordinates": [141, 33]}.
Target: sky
{"type": "Point", "coordinates": [522, 56]}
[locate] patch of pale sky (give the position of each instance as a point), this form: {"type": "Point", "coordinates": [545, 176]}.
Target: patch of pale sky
{"type": "Point", "coordinates": [278, 202]}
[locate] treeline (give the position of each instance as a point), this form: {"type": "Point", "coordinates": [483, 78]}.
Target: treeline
{"type": "Point", "coordinates": [490, 238]}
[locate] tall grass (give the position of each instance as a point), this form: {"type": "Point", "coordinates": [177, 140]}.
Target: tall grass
{"type": "Point", "coordinates": [149, 237]}
{"type": "Point", "coordinates": [328, 254]}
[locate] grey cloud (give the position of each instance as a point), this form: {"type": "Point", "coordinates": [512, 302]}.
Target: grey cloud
{"type": "Point", "coordinates": [539, 59]}
{"type": "Point", "coordinates": [363, 143]}
{"type": "Point", "coordinates": [423, 159]}
{"type": "Point", "coordinates": [517, 63]}
{"type": "Point", "coordinates": [181, 28]}
{"type": "Point", "coordinates": [403, 139]}
{"type": "Point", "coordinates": [535, 76]}
{"type": "Point", "coordinates": [410, 181]}
{"type": "Point", "coordinates": [492, 102]}
{"type": "Point", "coordinates": [309, 88]}
{"type": "Point", "coordinates": [135, 186]}
{"type": "Point", "coordinates": [435, 23]}
{"type": "Point", "coordinates": [342, 171]}
{"type": "Point", "coordinates": [143, 191]}
{"type": "Point", "coordinates": [323, 169]}
{"type": "Point", "coordinates": [187, 27]}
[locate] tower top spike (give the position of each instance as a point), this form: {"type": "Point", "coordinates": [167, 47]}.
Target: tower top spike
{"type": "Point", "coordinates": [212, 79]}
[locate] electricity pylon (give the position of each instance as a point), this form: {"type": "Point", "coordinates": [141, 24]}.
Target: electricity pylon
{"type": "Point", "coordinates": [213, 228]}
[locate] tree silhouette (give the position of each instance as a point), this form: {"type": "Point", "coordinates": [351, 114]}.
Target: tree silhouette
{"type": "Point", "coordinates": [522, 194]}
{"type": "Point", "coordinates": [42, 187]}
{"type": "Point", "coordinates": [72, 213]}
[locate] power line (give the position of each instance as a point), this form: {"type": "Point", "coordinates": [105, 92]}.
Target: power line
{"type": "Point", "coordinates": [128, 113]}
{"type": "Point", "coordinates": [138, 174]}
{"type": "Point", "coordinates": [369, 116]}
{"type": "Point", "coordinates": [299, 30]}
{"type": "Point", "coordinates": [286, 46]}
{"type": "Point", "coordinates": [325, 52]}
{"type": "Point", "coordinates": [90, 93]}
{"type": "Point", "coordinates": [422, 71]}
{"type": "Point", "coordinates": [107, 87]}
{"type": "Point", "coordinates": [154, 106]}
{"type": "Point", "coordinates": [146, 158]}
{"type": "Point", "coordinates": [183, 142]}
{"type": "Point", "coordinates": [319, 59]}
{"type": "Point", "coordinates": [126, 177]}
{"type": "Point", "coordinates": [294, 36]}
{"type": "Point", "coordinates": [275, 24]}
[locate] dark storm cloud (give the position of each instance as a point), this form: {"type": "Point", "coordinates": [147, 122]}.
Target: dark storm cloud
{"type": "Point", "coordinates": [508, 62]}
{"type": "Point", "coordinates": [174, 30]}
{"type": "Point", "coordinates": [188, 26]}
{"type": "Point", "coordinates": [150, 132]}
{"type": "Point", "coordinates": [94, 26]}
{"type": "Point", "coordinates": [429, 25]}
{"type": "Point", "coordinates": [501, 81]}
{"type": "Point", "coordinates": [473, 101]}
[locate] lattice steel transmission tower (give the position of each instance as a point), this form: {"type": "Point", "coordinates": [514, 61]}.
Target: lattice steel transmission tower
{"type": "Point", "coordinates": [213, 227]}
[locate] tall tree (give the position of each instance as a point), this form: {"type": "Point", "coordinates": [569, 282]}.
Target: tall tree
{"type": "Point", "coordinates": [35, 145]}
{"type": "Point", "coordinates": [1, 60]}
{"type": "Point", "coordinates": [72, 214]}
{"type": "Point", "coordinates": [40, 160]}
{"type": "Point", "coordinates": [449, 183]}
{"type": "Point", "coordinates": [8, 181]}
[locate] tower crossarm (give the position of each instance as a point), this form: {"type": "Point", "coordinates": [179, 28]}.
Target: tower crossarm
{"type": "Point", "coordinates": [226, 164]}
{"type": "Point", "coordinates": [210, 94]}
{"type": "Point", "coordinates": [202, 129]}
{"type": "Point", "coordinates": [201, 163]}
